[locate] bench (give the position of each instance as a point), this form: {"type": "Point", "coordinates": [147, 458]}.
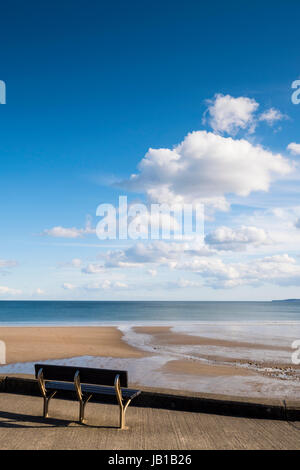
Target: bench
{"type": "Point", "coordinates": [85, 382]}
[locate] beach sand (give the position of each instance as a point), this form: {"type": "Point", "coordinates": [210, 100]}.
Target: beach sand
{"type": "Point", "coordinates": [156, 356]}
{"type": "Point", "coordinates": [24, 344]}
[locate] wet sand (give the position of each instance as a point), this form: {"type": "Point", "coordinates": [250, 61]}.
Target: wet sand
{"type": "Point", "coordinates": [164, 335]}
{"type": "Point", "coordinates": [197, 368]}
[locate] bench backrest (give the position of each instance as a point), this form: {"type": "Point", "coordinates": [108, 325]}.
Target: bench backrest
{"type": "Point", "coordinates": [87, 375]}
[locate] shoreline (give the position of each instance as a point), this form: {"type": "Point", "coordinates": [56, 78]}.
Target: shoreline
{"type": "Point", "coordinates": [171, 323]}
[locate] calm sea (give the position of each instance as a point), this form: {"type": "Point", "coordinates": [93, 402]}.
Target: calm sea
{"type": "Point", "coordinates": [98, 313]}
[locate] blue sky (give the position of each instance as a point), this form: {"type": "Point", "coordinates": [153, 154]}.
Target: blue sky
{"type": "Point", "coordinates": [91, 86]}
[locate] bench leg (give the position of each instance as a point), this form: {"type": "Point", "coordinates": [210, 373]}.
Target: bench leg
{"type": "Point", "coordinates": [46, 404]}
{"type": "Point", "coordinates": [82, 405]}
{"type": "Point", "coordinates": [123, 409]}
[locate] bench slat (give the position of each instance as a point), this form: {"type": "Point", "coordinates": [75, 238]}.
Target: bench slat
{"type": "Point", "coordinates": [87, 375]}
{"type": "Point", "coordinates": [93, 389]}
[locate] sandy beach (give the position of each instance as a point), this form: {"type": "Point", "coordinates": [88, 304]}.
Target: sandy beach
{"type": "Point", "coordinates": [162, 356]}
{"type": "Point", "coordinates": [29, 344]}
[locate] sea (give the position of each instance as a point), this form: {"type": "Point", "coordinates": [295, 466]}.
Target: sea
{"type": "Point", "coordinates": [97, 313]}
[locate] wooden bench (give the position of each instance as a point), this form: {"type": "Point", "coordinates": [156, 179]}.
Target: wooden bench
{"type": "Point", "coordinates": [85, 382]}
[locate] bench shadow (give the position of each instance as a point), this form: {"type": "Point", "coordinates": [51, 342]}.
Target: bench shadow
{"type": "Point", "coordinates": [15, 420]}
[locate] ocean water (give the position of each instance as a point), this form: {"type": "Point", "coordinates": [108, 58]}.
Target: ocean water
{"type": "Point", "coordinates": [18, 313]}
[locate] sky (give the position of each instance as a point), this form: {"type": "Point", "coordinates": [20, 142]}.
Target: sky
{"type": "Point", "coordinates": [161, 102]}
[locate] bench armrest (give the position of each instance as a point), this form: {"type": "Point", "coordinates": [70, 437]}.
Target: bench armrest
{"type": "Point", "coordinates": [118, 390]}
{"type": "Point", "coordinates": [77, 385]}
{"type": "Point", "coordinates": [41, 382]}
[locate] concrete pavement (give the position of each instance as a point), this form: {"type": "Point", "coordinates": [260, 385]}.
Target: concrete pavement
{"type": "Point", "coordinates": [22, 427]}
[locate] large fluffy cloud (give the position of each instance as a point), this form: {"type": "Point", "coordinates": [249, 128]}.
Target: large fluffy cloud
{"type": "Point", "coordinates": [205, 167]}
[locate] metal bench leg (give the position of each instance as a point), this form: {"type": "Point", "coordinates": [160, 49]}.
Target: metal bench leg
{"type": "Point", "coordinates": [123, 409]}
{"type": "Point", "coordinates": [82, 400]}
{"type": "Point", "coordinates": [43, 390]}
{"type": "Point", "coordinates": [46, 404]}
{"type": "Point", "coordinates": [82, 405]}
{"type": "Point", "coordinates": [123, 406]}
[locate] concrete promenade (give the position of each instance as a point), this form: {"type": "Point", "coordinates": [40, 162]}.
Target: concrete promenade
{"type": "Point", "coordinates": [22, 427]}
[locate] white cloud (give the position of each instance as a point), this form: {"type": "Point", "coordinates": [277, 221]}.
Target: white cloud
{"type": "Point", "coordinates": [294, 148]}
{"type": "Point", "coordinates": [277, 269]}
{"type": "Point", "coordinates": [106, 284]}
{"type": "Point", "coordinates": [63, 232]}
{"type": "Point", "coordinates": [76, 262]}
{"type": "Point", "coordinates": [139, 253]}
{"type": "Point", "coordinates": [226, 238]}
{"type": "Point", "coordinates": [204, 168]}
{"type": "Point", "coordinates": [155, 252]}
{"type": "Point", "coordinates": [93, 268]}
{"type": "Point", "coordinates": [297, 223]}
{"type": "Point", "coordinates": [68, 286]}
{"type": "Point", "coordinates": [120, 285]}
{"type": "Point", "coordinates": [228, 114]}
{"type": "Point", "coordinates": [39, 291]}
{"type": "Point", "coordinates": [271, 115]}
{"type": "Point", "coordinates": [185, 283]}
{"type": "Point", "coordinates": [9, 291]}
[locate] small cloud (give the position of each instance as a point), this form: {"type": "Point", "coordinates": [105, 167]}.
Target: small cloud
{"type": "Point", "coordinates": [294, 148]}
{"type": "Point", "coordinates": [63, 232]}
{"type": "Point", "coordinates": [92, 268]}
{"type": "Point", "coordinates": [297, 223]}
{"type": "Point", "coordinates": [9, 291]}
{"type": "Point", "coordinates": [99, 285]}
{"type": "Point", "coordinates": [185, 283]}
{"type": "Point", "coordinates": [106, 284]}
{"type": "Point", "coordinates": [120, 285]}
{"type": "Point", "coordinates": [76, 262]}
{"type": "Point", "coordinates": [271, 116]}
{"type": "Point", "coordinates": [39, 291]}
{"type": "Point", "coordinates": [229, 114]}
{"type": "Point", "coordinates": [68, 286]}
